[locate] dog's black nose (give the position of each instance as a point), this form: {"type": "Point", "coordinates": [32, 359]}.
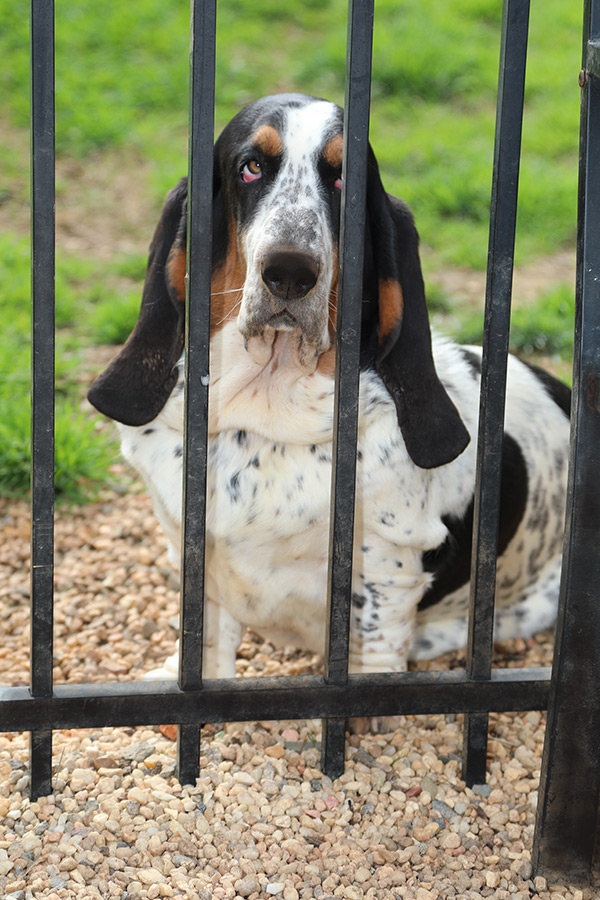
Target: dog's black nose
{"type": "Point", "coordinates": [290, 275]}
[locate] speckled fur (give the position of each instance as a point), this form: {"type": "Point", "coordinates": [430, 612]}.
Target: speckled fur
{"type": "Point", "coordinates": [269, 468]}
{"type": "Point", "coordinates": [268, 515]}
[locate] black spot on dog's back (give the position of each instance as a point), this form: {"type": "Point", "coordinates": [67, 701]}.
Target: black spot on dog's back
{"type": "Point", "coordinates": [451, 561]}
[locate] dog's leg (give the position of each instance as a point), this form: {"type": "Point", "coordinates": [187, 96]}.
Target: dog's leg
{"type": "Point", "coordinates": [380, 638]}
{"type": "Point", "coordinates": [222, 636]}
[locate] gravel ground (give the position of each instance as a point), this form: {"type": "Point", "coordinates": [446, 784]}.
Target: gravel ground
{"type": "Point", "coordinates": [262, 820]}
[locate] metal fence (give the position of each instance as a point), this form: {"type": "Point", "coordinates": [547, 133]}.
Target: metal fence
{"type": "Point", "coordinates": [570, 784]}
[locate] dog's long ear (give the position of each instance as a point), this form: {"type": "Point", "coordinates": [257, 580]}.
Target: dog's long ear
{"type": "Point", "coordinates": [136, 385]}
{"type": "Point", "coordinates": [432, 429]}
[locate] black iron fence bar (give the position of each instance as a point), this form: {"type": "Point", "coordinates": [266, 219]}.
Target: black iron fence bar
{"type": "Point", "coordinates": [570, 782]}
{"type": "Point", "coordinates": [121, 704]}
{"type": "Point", "coordinates": [42, 378]}
{"type": "Point", "coordinates": [591, 62]}
{"type": "Point", "coordinates": [503, 214]}
{"type": "Point", "coordinates": [197, 348]}
{"type": "Point", "coordinates": [348, 327]}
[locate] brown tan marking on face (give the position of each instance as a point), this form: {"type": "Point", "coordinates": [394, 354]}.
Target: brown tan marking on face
{"type": "Point", "coordinates": [333, 152]}
{"type": "Point", "coordinates": [391, 307]}
{"type": "Point", "coordinates": [268, 140]}
{"type": "Point", "coordinates": [176, 269]}
{"type": "Point", "coordinates": [227, 286]}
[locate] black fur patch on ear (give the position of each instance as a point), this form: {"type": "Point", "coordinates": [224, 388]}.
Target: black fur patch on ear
{"type": "Point", "coordinates": [431, 426]}
{"type": "Point", "coordinates": [136, 385]}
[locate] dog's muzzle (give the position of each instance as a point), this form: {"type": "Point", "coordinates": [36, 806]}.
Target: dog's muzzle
{"type": "Point", "coordinates": [288, 279]}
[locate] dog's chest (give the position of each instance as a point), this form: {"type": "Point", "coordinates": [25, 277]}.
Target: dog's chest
{"type": "Point", "coordinates": [267, 524]}
{"type": "Point", "coordinates": [267, 517]}
{"type": "Point", "coordinates": [258, 487]}
{"type": "Point", "coordinates": [268, 507]}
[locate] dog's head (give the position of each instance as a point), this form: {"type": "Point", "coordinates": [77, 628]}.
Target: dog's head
{"type": "Point", "coordinates": [276, 210]}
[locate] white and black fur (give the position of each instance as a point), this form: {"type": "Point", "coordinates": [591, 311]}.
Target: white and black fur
{"type": "Point", "coordinates": [276, 227]}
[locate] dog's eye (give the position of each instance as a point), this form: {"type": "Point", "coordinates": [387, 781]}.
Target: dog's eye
{"type": "Point", "coordinates": [251, 171]}
{"type": "Point", "coordinates": [338, 184]}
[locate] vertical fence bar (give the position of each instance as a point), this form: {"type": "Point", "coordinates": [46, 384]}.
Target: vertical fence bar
{"type": "Point", "coordinates": [42, 378]}
{"type": "Point", "coordinates": [352, 237]}
{"type": "Point", "coordinates": [197, 343]}
{"type": "Point", "coordinates": [566, 826]}
{"type": "Point", "coordinates": [507, 149]}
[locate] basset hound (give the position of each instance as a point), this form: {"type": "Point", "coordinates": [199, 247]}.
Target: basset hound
{"type": "Point", "coordinates": [277, 181]}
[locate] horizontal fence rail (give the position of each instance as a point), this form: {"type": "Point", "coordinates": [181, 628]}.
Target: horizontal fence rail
{"type": "Point", "coordinates": [285, 697]}
{"type": "Point", "coordinates": [570, 786]}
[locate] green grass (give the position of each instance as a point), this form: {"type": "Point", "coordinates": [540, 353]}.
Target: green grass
{"type": "Point", "coordinates": [546, 326]}
{"type": "Point", "coordinates": [543, 327]}
{"type": "Point", "coordinates": [82, 452]}
{"type": "Point", "coordinates": [122, 89]}
{"type": "Point", "coordinates": [122, 81]}
{"type": "Point", "coordinates": [111, 322]}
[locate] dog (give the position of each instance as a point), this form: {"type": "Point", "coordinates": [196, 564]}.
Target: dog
{"type": "Point", "coordinates": [276, 209]}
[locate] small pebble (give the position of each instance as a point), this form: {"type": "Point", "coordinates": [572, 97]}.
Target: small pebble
{"type": "Point", "coordinates": [247, 886]}
{"type": "Point", "coordinates": [243, 778]}
{"type": "Point", "coordinates": [151, 876]}
{"type": "Point", "coordinates": [446, 811]}
{"type": "Point", "coordinates": [429, 785]}
{"type": "Point", "coordinates": [492, 879]}
{"type": "Point", "coordinates": [451, 842]}
{"type": "Point", "coordinates": [482, 790]}
{"type": "Point", "coordinates": [138, 751]}
{"type": "Point", "coordinates": [276, 750]}
{"type": "Point", "coordinates": [81, 779]}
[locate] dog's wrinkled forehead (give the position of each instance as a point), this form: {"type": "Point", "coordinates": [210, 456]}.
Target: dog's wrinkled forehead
{"type": "Point", "coordinates": [297, 193]}
{"type": "Point", "coordinates": [308, 133]}
{"type": "Point", "coordinates": [291, 137]}
{"type": "Point", "coordinates": [306, 121]}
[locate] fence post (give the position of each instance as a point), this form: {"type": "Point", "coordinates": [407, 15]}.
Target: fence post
{"type": "Point", "coordinates": [345, 418]}
{"type": "Point", "coordinates": [503, 217]}
{"type": "Point", "coordinates": [197, 351]}
{"type": "Point", "coordinates": [569, 792]}
{"type": "Point", "coordinates": [42, 379]}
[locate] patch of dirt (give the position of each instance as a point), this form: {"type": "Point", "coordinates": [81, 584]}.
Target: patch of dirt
{"type": "Point", "coordinates": [104, 207]}
{"type": "Point", "coordinates": [530, 280]}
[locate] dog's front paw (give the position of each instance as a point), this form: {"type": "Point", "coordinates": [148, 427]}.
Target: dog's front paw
{"type": "Point", "coordinates": [169, 671]}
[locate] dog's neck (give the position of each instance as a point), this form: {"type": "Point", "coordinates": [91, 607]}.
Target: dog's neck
{"type": "Point", "coordinates": [277, 399]}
